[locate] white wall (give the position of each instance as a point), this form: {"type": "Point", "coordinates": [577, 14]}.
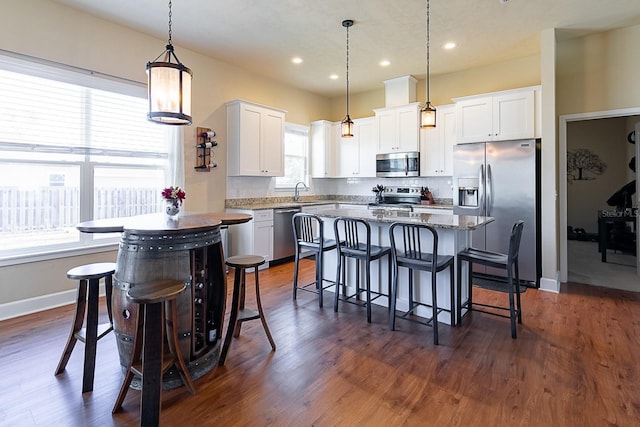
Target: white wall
{"type": "Point", "coordinates": [54, 32]}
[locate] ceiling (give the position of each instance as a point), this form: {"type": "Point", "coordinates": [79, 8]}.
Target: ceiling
{"type": "Point", "coordinates": [263, 36]}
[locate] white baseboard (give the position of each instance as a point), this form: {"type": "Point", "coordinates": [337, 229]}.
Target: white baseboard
{"type": "Point", "coordinates": [550, 285]}
{"type": "Point", "coordinates": [40, 303]}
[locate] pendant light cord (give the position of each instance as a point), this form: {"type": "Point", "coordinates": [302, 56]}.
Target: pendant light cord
{"type": "Point", "coordinates": [170, 14]}
{"type": "Point", "coordinates": [428, 74]}
{"type": "Point", "coordinates": [348, 69]}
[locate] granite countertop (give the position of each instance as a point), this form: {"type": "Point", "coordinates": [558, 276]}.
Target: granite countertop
{"type": "Point", "coordinates": [265, 204]}
{"type": "Point", "coordinates": [275, 203]}
{"type": "Point", "coordinates": [452, 222]}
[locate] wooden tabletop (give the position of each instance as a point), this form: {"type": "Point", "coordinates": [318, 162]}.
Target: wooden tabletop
{"type": "Point", "coordinates": [160, 222]}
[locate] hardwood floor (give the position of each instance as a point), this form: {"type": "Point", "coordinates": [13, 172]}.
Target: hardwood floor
{"type": "Point", "coordinates": [574, 363]}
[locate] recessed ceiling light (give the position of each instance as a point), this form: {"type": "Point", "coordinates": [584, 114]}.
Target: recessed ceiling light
{"type": "Point", "coordinates": [449, 45]}
{"type": "Point", "coordinates": [385, 63]}
{"type": "Point", "coordinates": [296, 60]}
{"type": "Point", "coordinates": [333, 77]}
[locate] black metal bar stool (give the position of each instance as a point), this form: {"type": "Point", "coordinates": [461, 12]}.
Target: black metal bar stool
{"type": "Point", "coordinates": [88, 276]}
{"type": "Point", "coordinates": [408, 249]}
{"type": "Point", "coordinates": [353, 240]}
{"type": "Point", "coordinates": [508, 262]}
{"type": "Point", "coordinates": [308, 232]}
{"type": "Point", "coordinates": [238, 313]}
{"type": "Point", "coordinates": [148, 360]}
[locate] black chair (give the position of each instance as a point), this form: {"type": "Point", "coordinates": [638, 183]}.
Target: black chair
{"type": "Point", "coordinates": [508, 262]}
{"type": "Point", "coordinates": [308, 232]}
{"type": "Point", "coordinates": [409, 249]}
{"type": "Point", "coordinates": [353, 240]}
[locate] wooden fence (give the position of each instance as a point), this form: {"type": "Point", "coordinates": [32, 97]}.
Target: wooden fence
{"type": "Point", "coordinates": [51, 208]}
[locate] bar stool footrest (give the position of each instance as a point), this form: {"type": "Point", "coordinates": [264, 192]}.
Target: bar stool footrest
{"type": "Point", "coordinates": [246, 314]}
{"type": "Point", "coordinates": [362, 303]}
{"type": "Point", "coordinates": [493, 313]}
{"type": "Point", "coordinates": [103, 329]}
{"type": "Point", "coordinates": [312, 287]}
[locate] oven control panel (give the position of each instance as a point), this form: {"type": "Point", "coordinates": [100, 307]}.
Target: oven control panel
{"type": "Point", "coordinates": [402, 190]}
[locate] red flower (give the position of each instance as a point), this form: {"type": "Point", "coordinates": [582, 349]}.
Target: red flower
{"type": "Point", "coordinates": [175, 194]}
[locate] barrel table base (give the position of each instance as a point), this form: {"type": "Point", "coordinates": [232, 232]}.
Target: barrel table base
{"type": "Point", "coordinates": [197, 368]}
{"type": "Point", "coordinates": [196, 259]}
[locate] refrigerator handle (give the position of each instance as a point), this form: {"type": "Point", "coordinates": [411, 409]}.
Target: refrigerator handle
{"type": "Point", "coordinates": [481, 190]}
{"type": "Point", "coordinates": [489, 190]}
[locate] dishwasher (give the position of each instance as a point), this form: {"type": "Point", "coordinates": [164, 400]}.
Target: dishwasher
{"type": "Point", "coordinates": [283, 245]}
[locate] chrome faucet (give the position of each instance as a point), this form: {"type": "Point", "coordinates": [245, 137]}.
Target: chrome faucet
{"type": "Point", "coordinates": [296, 192]}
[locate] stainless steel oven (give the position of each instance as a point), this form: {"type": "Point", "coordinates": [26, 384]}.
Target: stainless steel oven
{"type": "Point", "coordinates": [398, 164]}
{"type": "Point", "coordinates": [398, 198]}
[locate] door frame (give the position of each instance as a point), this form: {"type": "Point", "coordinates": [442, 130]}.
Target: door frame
{"type": "Point", "coordinates": [562, 173]}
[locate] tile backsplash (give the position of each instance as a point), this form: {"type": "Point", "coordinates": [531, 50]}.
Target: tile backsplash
{"type": "Point", "coordinates": [259, 187]}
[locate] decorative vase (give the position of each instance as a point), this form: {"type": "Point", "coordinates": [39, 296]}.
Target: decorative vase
{"type": "Point", "coordinates": [172, 209]}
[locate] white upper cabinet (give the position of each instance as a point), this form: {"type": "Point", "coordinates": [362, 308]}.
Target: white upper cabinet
{"type": "Point", "coordinates": [323, 148]}
{"type": "Point", "coordinates": [357, 155]}
{"type": "Point", "coordinates": [436, 144]}
{"type": "Point", "coordinates": [497, 116]}
{"type": "Point", "coordinates": [255, 140]}
{"type": "Point", "coordinates": [397, 128]}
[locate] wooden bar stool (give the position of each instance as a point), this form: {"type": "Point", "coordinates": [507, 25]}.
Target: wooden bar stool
{"type": "Point", "coordinates": [150, 362]}
{"type": "Point", "coordinates": [88, 275]}
{"type": "Point", "coordinates": [238, 313]}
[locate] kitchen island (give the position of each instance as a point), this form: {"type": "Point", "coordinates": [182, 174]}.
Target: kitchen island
{"type": "Point", "coordinates": [454, 235]}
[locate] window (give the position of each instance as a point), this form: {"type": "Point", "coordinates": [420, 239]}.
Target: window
{"type": "Point", "coordinates": [296, 149]}
{"type": "Point", "coordinates": [73, 147]}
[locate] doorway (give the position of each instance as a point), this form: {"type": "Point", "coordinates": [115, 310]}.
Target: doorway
{"type": "Point", "coordinates": [594, 162]}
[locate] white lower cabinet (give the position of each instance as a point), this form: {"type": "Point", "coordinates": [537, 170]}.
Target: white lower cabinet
{"type": "Point", "coordinates": [254, 237]}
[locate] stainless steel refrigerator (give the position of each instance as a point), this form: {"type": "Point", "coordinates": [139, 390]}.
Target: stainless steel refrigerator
{"type": "Point", "coordinates": [501, 179]}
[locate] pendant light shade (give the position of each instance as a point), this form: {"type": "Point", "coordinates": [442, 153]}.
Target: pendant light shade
{"type": "Point", "coordinates": [428, 116]}
{"type": "Point", "coordinates": [347, 127]}
{"type": "Point", "coordinates": [347, 123]}
{"type": "Point", "coordinates": [428, 112]}
{"type": "Point", "coordinates": [169, 85]}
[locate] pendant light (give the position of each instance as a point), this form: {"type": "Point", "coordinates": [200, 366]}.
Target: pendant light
{"type": "Point", "coordinates": [347, 123]}
{"type": "Point", "coordinates": [428, 112]}
{"type": "Point", "coordinates": [169, 85]}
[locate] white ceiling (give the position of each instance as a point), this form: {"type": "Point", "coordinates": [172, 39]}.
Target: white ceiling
{"type": "Point", "coordinates": [263, 35]}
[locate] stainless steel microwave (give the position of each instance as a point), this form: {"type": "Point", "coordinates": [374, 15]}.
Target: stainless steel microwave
{"type": "Point", "coordinates": [398, 164]}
